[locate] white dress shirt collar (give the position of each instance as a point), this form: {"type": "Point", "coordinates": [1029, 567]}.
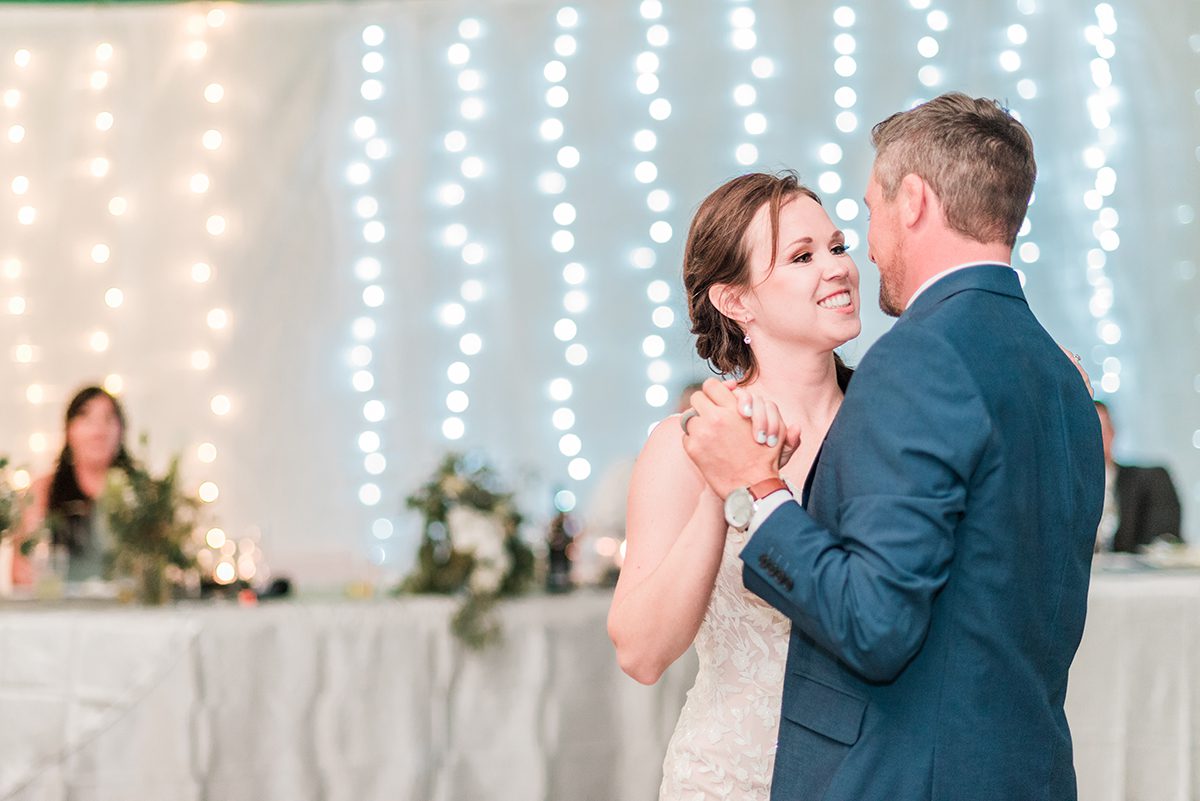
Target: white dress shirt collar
{"type": "Point", "coordinates": [944, 273]}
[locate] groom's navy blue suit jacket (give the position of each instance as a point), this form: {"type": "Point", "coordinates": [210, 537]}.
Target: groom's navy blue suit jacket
{"type": "Point", "coordinates": [937, 583]}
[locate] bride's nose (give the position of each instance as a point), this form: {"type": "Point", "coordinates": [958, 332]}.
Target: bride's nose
{"type": "Point", "coordinates": [836, 269]}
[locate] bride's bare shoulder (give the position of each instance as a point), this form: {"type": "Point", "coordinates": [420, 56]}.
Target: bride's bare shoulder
{"type": "Point", "coordinates": [663, 459]}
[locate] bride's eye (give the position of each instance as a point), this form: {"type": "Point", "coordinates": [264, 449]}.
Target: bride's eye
{"type": "Point", "coordinates": [803, 257]}
{"type": "Point", "coordinates": [839, 250]}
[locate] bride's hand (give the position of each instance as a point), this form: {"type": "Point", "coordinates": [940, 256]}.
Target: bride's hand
{"type": "Point", "coordinates": [1078, 362]}
{"type": "Point", "coordinates": [767, 423]}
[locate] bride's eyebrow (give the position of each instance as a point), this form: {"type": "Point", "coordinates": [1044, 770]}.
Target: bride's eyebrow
{"type": "Point", "coordinates": [806, 240]}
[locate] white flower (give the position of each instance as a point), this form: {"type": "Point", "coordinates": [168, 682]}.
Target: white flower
{"type": "Point", "coordinates": [472, 531]}
{"type": "Point", "coordinates": [481, 535]}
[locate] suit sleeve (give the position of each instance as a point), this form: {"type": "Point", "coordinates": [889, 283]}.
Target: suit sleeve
{"type": "Point", "coordinates": [909, 435]}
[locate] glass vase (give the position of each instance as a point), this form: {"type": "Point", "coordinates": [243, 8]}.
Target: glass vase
{"type": "Point", "coordinates": [152, 586]}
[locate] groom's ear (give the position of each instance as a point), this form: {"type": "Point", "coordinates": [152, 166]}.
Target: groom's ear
{"type": "Point", "coordinates": [914, 200]}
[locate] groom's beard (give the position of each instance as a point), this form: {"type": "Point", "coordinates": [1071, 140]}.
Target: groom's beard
{"type": "Point", "coordinates": [891, 289]}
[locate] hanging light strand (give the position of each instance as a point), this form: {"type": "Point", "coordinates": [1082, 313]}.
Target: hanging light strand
{"type": "Point", "coordinates": [658, 202]}
{"type": "Point", "coordinates": [556, 184]}
{"type": "Point", "coordinates": [454, 314]}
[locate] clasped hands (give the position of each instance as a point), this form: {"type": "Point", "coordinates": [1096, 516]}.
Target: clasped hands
{"type": "Point", "coordinates": [736, 437]}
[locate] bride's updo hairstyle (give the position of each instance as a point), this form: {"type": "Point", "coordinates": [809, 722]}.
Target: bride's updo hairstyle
{"type": "Point", "coordinates": [717, 252]}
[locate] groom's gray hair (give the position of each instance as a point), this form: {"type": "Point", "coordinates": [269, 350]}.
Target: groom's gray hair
{"type": "Point", "coordinates": [972, 152]}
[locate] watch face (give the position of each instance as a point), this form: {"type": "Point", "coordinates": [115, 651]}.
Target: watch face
{"type": "Point", "coordinates": [739, 505]}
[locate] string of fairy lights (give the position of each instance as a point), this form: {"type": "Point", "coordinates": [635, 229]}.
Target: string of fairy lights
{"type": "Point", "coordinates": [1187, 267]}
{"type": "Point", "coordinates": [744, 39]}
{"type": "Point", "coordinates": [1011, 62]}
{"type": "Point", "coordinates": [368, 269]}
{"type": "Point", "coordinates": [658, 201]}
{"type": "Point", "coordinates": [931, 74]}
{"type": "Point", "coordinates": [24, 353]}
{"type": "Point", "coordinates": [556, 184]}
{"type": "Point", "coordinates": [845, 98]}
{"type": "Point", "coordinates": [226, 558]}
{"type": "Point", "coordinates": [201, 271]}
{"type": "Point", "coordinates": [116, 206]}
{"type": "Point", "coordinates": [1098, 199]}
{"type": "Point", "coordinates": [99, 339]}
{"type": "Point", "coordinates": [457, 237]}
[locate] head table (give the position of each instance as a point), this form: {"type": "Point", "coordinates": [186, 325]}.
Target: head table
{"type": "Point", "coordinates": [376, 700]}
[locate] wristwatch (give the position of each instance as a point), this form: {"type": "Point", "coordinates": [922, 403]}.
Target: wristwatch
{"type": "Point", "coordinates": [741, 503]}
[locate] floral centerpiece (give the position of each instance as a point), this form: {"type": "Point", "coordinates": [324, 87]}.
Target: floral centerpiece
{"type": "Point", "coordinates": [469, 545]}
{"type": "Point", "coordinates": [11, 501]}
{"type": "Point", "coordinates": [151, 520]}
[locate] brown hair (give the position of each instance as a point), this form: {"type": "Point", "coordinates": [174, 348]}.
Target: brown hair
{"type": "Point", "coordinates": [975, 156]}
{"type": "Point", "coordinates": [717, 252]}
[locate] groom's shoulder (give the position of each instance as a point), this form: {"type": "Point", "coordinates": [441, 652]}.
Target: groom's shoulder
{"type": "Point", "coordinates": [910, 341]}
{"type": "Point", "coordinates": [913, 357]}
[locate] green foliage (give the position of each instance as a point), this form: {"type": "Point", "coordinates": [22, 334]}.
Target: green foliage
{"type": "Point", "coordinates": [152, 521]}
{"type": "Point", "coordinates": [469, 567]}
{"type": "Point", "coordinates": [11, 501]}
{"type": "Point", "coordinates": [474, 623]}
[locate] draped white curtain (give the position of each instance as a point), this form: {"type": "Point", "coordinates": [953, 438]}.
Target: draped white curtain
{"type": "Point", "coordinates": [283, 84]}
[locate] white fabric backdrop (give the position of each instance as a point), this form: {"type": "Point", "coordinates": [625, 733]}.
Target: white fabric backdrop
{"type": "Point", "coordinates": [288, 458]}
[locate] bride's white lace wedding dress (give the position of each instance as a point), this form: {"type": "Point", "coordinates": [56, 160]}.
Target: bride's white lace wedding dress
{"type": "Point", "coordinates": [724, 743]}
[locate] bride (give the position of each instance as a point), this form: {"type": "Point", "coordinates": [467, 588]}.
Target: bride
{"type": "Point", "coordinates": [771, 292]}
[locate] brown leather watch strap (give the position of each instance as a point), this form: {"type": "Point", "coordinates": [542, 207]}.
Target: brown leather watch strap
{"type": "Point", "coordinates": [765, 487]}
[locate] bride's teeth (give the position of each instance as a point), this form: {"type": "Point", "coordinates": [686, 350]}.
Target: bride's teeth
{"type": "Point", "coordinates": [839, 301]}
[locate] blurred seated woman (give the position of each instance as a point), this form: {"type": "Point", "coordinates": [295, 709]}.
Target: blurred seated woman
{"type": "Point", "coordinates": [65, 501]}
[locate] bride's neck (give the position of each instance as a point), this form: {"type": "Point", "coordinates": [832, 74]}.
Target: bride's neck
{"type": "Point", "coordinates": [802, 383]}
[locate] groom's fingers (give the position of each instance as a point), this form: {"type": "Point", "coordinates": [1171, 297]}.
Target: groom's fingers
{"type": "Point", "coordinates": [792, 438]}
{"type": "Point", "coordinates": [791, 442]}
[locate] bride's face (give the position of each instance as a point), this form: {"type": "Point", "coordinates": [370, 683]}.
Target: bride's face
{"type": "Point", "coordinates": [809, 296]}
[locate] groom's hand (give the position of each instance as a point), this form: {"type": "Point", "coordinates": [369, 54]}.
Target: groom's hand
{"type": "Point", "coordinates": [720, 441]}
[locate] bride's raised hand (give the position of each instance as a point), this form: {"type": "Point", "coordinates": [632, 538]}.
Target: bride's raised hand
{"type": "Point", "coordinates": [1087, 379]}
{"type": "Point", "coordinates": [766, 422]}
{"type": "Point", "coordinates": [765, 418]}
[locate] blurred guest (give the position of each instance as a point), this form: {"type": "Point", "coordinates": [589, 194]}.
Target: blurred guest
{"type": "Point", "coordinates": [65, 500]}
{"type": "Point", "coordinates": [1140, 503]}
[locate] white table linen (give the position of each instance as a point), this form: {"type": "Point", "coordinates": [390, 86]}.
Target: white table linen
{"type": "Point", "coordinates": [376, 700]}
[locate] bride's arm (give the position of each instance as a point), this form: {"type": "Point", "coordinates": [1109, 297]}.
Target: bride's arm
{"type": "Point", "coordinates": [674, 539]}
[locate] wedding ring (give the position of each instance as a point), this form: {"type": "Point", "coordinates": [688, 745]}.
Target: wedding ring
{"type": "Point", "coordinates": [685, 417]}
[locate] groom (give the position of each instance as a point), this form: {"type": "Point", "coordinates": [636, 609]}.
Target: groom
{"type": "Point", "coordinates": [937, 582]}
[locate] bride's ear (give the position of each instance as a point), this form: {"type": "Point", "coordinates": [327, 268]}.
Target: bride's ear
{"type": "Point", "coordinates": [729, 302]}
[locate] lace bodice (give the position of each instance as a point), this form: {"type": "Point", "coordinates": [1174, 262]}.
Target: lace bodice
{"type": "Point", "coordinates": [724, 742]}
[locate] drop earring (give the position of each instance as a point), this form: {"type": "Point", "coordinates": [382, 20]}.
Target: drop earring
{"type": "Point", "coordinates": [746, 338]}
